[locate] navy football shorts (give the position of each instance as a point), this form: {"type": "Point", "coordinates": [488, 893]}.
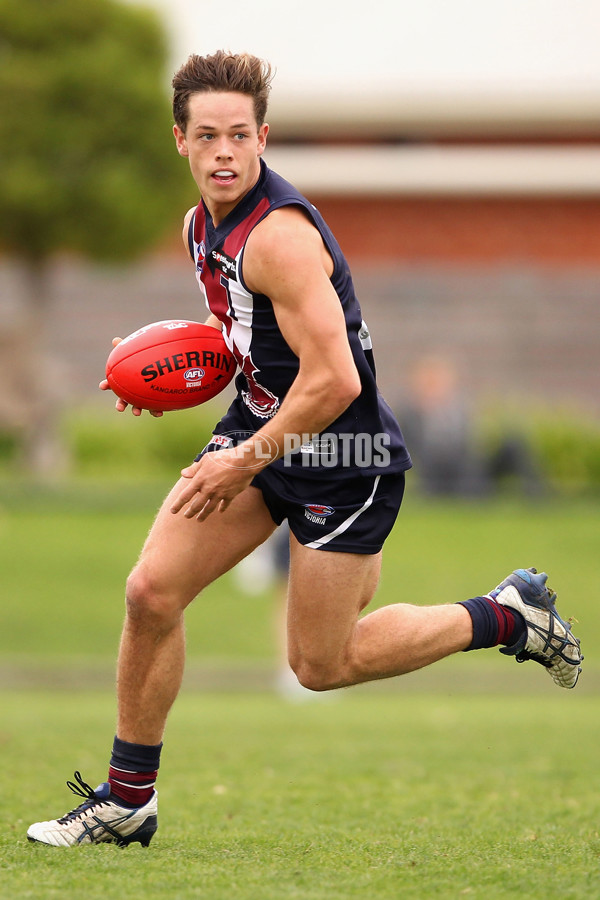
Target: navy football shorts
{"type": "Point", "coordinates": [352, 514]}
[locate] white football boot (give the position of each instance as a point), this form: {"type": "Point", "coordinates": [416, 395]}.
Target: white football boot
{"type": "Point", "coordinates": [98, 819]}
{"type": "Point", "coordinates": [548, 639]}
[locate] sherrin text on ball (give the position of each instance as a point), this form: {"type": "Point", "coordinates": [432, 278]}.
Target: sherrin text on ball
{"type": "Point", "coordinates": [172, 364]}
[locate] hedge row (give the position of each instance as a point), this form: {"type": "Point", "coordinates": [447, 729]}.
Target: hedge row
{"type": "Point", "coordinates": [564, 446]}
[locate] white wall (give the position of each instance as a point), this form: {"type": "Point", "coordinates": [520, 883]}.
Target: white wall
{"type": "Point", "coordinates": [419, 58]}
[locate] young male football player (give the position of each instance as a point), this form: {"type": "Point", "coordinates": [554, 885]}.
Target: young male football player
{"type": "Point", "coordinates": [308, 438]}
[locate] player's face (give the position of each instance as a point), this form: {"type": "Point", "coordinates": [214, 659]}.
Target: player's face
{"type": "Point", "coordinates": [223, 144]}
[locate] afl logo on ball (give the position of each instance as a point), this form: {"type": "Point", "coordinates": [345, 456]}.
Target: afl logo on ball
{"type": "Point", "coordinates": [194, 376]}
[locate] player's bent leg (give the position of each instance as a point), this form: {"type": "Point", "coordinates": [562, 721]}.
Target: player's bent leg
{"type": "Point", "coordinates": [330, 646]}
{"type": "Point", "coordinates": [180, 557]}
{"type": "Point", "coordinates": [326, 593]}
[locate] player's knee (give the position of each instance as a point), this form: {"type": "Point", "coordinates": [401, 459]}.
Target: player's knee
{"type": "Point", "coordinates": [145, 598]}
{"type": "Point", "coordinates": [315, 676]}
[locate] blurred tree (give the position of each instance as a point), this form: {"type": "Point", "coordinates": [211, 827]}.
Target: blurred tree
{"type": "Point", "coordinates": [87, 162]}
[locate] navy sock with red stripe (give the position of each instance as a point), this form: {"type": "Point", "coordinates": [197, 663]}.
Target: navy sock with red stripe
{"type": "Point", "coordinates": [493, 623]}
{"type": "Point", "coordinates": [133, 771]}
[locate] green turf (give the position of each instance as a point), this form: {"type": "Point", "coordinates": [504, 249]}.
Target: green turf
{"type": "Point", "coordinates": [475, 777]}
{"type": "Point", "coordinates": [367, 796]}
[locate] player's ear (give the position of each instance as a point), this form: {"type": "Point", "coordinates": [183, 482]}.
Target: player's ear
{"type": "Point", "coordinates": [262, 138]}
{"type": "Point", "coordinates": [180, 141]}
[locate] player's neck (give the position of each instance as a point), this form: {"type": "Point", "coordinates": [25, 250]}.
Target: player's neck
{"type": "Point", "coordinates": [219, 211]}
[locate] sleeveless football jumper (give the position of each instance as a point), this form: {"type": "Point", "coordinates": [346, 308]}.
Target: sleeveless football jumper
{"type": "Point", "coordinates": [366, 438]}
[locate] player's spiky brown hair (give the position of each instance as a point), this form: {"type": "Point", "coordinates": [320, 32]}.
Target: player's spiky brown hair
{"type": "Point", "coordinates": [222, 71]}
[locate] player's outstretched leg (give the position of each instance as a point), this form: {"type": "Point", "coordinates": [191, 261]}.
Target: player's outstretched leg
{"type": "Point", "coordinates": [548, 639]}
{"type": "Point", "coordinates": [98, 819]}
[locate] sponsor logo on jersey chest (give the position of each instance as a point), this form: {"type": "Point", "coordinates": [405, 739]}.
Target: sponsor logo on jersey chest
{"type": "Point", "coordinates": [225, 263]}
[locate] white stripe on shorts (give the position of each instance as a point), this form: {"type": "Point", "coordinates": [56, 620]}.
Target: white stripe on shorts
{"type": "Point", "coordinates": [314, 545]}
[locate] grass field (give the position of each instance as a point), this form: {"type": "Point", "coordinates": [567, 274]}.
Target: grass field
{"type": "Point", "coordinates": [367, 796]}
{"type": "Point", "coordinates": [474, 778]}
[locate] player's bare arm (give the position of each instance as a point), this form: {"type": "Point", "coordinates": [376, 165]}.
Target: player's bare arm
{"type": "Point", "coordinates": [185, 230]}
{"type": "Point", "coordinates": [286, 260]}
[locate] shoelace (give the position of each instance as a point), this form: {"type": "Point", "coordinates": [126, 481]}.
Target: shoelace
{"type": "Point", "coordinates": [82, 789]}
{"type": "Point", "coordinates": [524, 655]}
{"type": "Point", "coordinates": [559, 652]}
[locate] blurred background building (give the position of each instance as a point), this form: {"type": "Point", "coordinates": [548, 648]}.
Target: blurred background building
{"type": "Point", "coordinates": [455, 151]}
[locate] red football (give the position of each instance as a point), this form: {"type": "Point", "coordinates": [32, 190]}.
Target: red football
{"type": "Point", "coordinates": [173, 364]}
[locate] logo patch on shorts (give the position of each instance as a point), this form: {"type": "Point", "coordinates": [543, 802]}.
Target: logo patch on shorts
{"type": "Point", "coordinates": [317, 513]}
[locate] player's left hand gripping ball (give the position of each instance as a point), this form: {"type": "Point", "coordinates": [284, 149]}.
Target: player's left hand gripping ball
{"type": "Point", "coordinates": [174, 364]}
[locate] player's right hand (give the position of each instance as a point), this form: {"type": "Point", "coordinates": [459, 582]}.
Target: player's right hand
{"type": "Point", "coordinates": [121, 405]}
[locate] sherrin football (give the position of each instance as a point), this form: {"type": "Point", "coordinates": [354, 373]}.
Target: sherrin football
{"type": "Point", "coordinates": [174, 364]}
